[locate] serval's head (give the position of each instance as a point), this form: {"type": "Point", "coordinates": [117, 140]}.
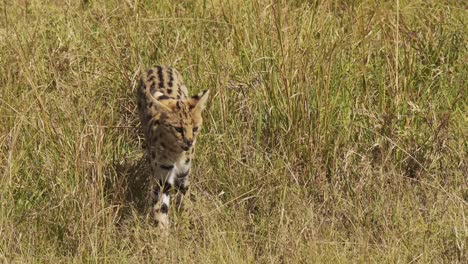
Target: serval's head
{"type": "Point", "coordinates": [181, 118]}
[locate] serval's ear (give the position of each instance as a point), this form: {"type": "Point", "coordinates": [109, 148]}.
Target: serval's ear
{"type": "Point", "coordinates": [162, 102]}
{"type": "Point", "coordinates": [198, 102]}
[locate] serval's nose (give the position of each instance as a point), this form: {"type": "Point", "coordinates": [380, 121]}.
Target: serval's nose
{"type": "Point", "coordinates": [188, 142]}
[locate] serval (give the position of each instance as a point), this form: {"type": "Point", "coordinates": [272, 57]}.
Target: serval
{"type": "Point", "coordinates": [171, 121]}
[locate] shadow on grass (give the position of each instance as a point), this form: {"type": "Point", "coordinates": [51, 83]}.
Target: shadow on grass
{"type": "Point", "coordinates": [127, 187]}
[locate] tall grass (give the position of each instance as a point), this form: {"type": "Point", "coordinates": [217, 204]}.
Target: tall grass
{"type": "Point", "coordinates": [336, 131]}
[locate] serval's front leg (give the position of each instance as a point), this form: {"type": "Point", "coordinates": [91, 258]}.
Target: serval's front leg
{"type": "Point", "coordinates": [182, 168]}
{"type": "Point", "coordinates": [182, 183]}
{"type": "Point", "coordinates": [162, 184]}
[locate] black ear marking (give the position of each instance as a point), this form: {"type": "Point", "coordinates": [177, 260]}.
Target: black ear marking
{"type": "Point", "coordinates": [199, 100]}
{"type": "Point", "coordinates": [199, 95]}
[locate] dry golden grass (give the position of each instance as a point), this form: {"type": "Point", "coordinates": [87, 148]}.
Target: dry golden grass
{"type": "Point", "coordinates": [336, 131]}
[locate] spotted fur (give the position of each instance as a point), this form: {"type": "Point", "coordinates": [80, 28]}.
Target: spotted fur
{"type": "Point", "coordinates": [171, 121]}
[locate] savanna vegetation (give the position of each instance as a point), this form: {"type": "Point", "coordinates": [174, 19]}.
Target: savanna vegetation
{"type": "Point", "coordinates": [336, 131]}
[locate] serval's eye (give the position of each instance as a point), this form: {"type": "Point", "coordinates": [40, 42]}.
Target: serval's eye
{"type": "Point", "coordinates": [179, 129]}
{"type": "Point", "coordinates": [195, 129]}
